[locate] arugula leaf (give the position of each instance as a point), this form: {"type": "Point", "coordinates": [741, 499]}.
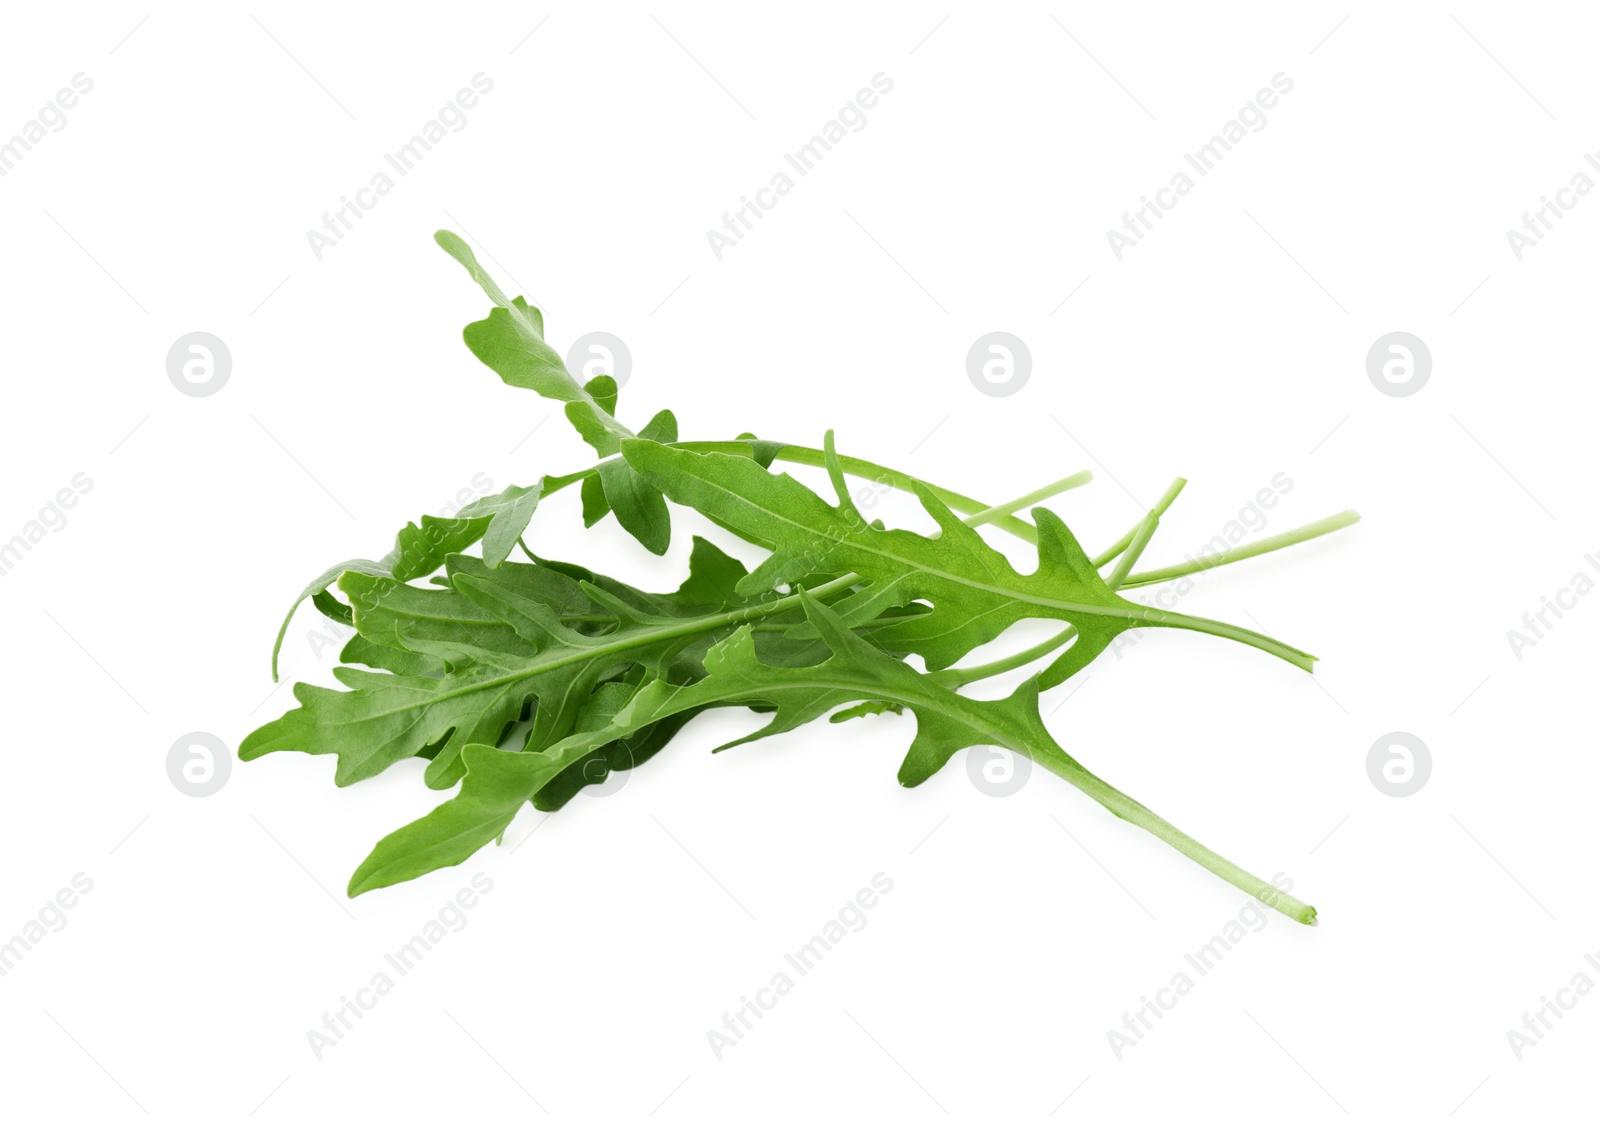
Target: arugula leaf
{"type": "Point", "coordinates": [498, 643]}
{"type": "Point", "coordinates": [591, 675]}
{"type": "Point", "coordinates": [711, 586]}
{"type": "Point", "coordinates": [497, 785]}
{"type": "Point", "coordinates": [595, 505]}
{"type": "Point", "coordinates": [975, 592]}
{"type": "Point", "coordinates": [499, 782]}
{"type": "Point", "coordinates": [332, 608]}
{"type": "Point", "coordinates": [419, 549]}
{"type": "Point", "coordinates": [762, 451]}
{"type": "Point", "coordinates": [603, 388]}
{"type": "Point", "coordinates": [619, 755]}
{"type": "Point", "coordinates": [638, 506]}
{"type": "Point", "coordinates": [509, 513]}
{"type": "Point", "coordinates": [734, 674]}
{"type": "Point", "coordinates": [511, 342]}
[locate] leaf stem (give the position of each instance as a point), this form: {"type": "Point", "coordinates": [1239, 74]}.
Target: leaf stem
{"type": "Point", "coordinates": [1143, 533]}
{"type": "Point", "coordinates": [1076, 479]}
{"type": "Point", "coordinates": [1059, 762]}
{"type": "Point", "coordinates": [960, 677]}
{"type": "Point", "coordinates": [1121, 544]}
{"type": "Point", "coordinates": [1027, 735]}
{"type": "Point", "coordinates": [1248, 550]}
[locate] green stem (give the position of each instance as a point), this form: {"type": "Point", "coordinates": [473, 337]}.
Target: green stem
{"type": "Point", "coordinates": [960, 677]}
{"type": "Point", "coordinates": [1248, 550]}
{"type": "Point", "coordinates": [1110, 552]}
{"type": "Point", "coordinates": [1146, 530]}
{"type": "Point", "coordinates": [1058, 761]}
{"type": "Point", "coordinates": [1121, 544]}
{"type": "Point", "coordinates": [1076, 479]}
{"type": "Point", "coordinates": [1030, 737]}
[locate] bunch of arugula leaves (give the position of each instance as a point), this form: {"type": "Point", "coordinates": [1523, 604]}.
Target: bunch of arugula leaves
{"type": "Point", "coordinates": [843, 617]}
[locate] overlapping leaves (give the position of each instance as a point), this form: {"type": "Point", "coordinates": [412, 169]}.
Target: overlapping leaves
{"type": "Point", "coordinates": [500, 782]}
{"type": "Point", "coordinates": [975, 592]}
{"type": "Point", "coordinates": [471, 659]}
{"type": "Point", "coordinates": [525, 680]}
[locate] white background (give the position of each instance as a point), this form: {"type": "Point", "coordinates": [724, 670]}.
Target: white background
{"type": "Point", "coordinates": [1229, 346]}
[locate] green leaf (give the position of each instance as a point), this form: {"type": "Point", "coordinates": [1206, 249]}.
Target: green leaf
{"type": "Point", "coordinates": [713, 582]}
{"type": "Point", "coordinates": [604, 391]}
{"type": "Point", "coordinates": [762, 451]}
{"type": "Point", "coordinates": [509, 513]}
{"type": "Point", "coordinates": [462, 254]}
{"type": "Point", "coordinates": [595, 506]}
{"type": "Point", "coordinates": [332, 608]}
{"type": "Point", "coordinates": [454, 658]}
{"type": "Point", "coordinates": [946, 724]}
{"type": "Point", "coordinates": [663, 428]}
{"type": "Point", "coordinates": [711, 586]}
{"type": "Point", "coordinates": [422, 547]}
{"type": "Point", "coordinates": [623, 754]}
{"type": "Point", "coordinates": [975, 591]}
{"type": "Point", "coordinates": [499, 783]}
{"type": "Point", "coordinates": [419, 549]}
{"type": "Point", "coordinates": [369, 653]}
{"type": "Point", "coordinates": [638, 506]}
{"type": "Point", "coordinates": [511, 342]}
{"type": "Point", "coordinates": [855, 671]}
{"type": "Point", "coordinates": [482, 691]}
{"type": "Point", "coordinates": [491, 644]}
{"type": "Point", "coordinates": [591, 422]}
{"type": "Point", "coordinates": [414, 619]}
{"type": "Point", "coordinates": [317, 585]}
